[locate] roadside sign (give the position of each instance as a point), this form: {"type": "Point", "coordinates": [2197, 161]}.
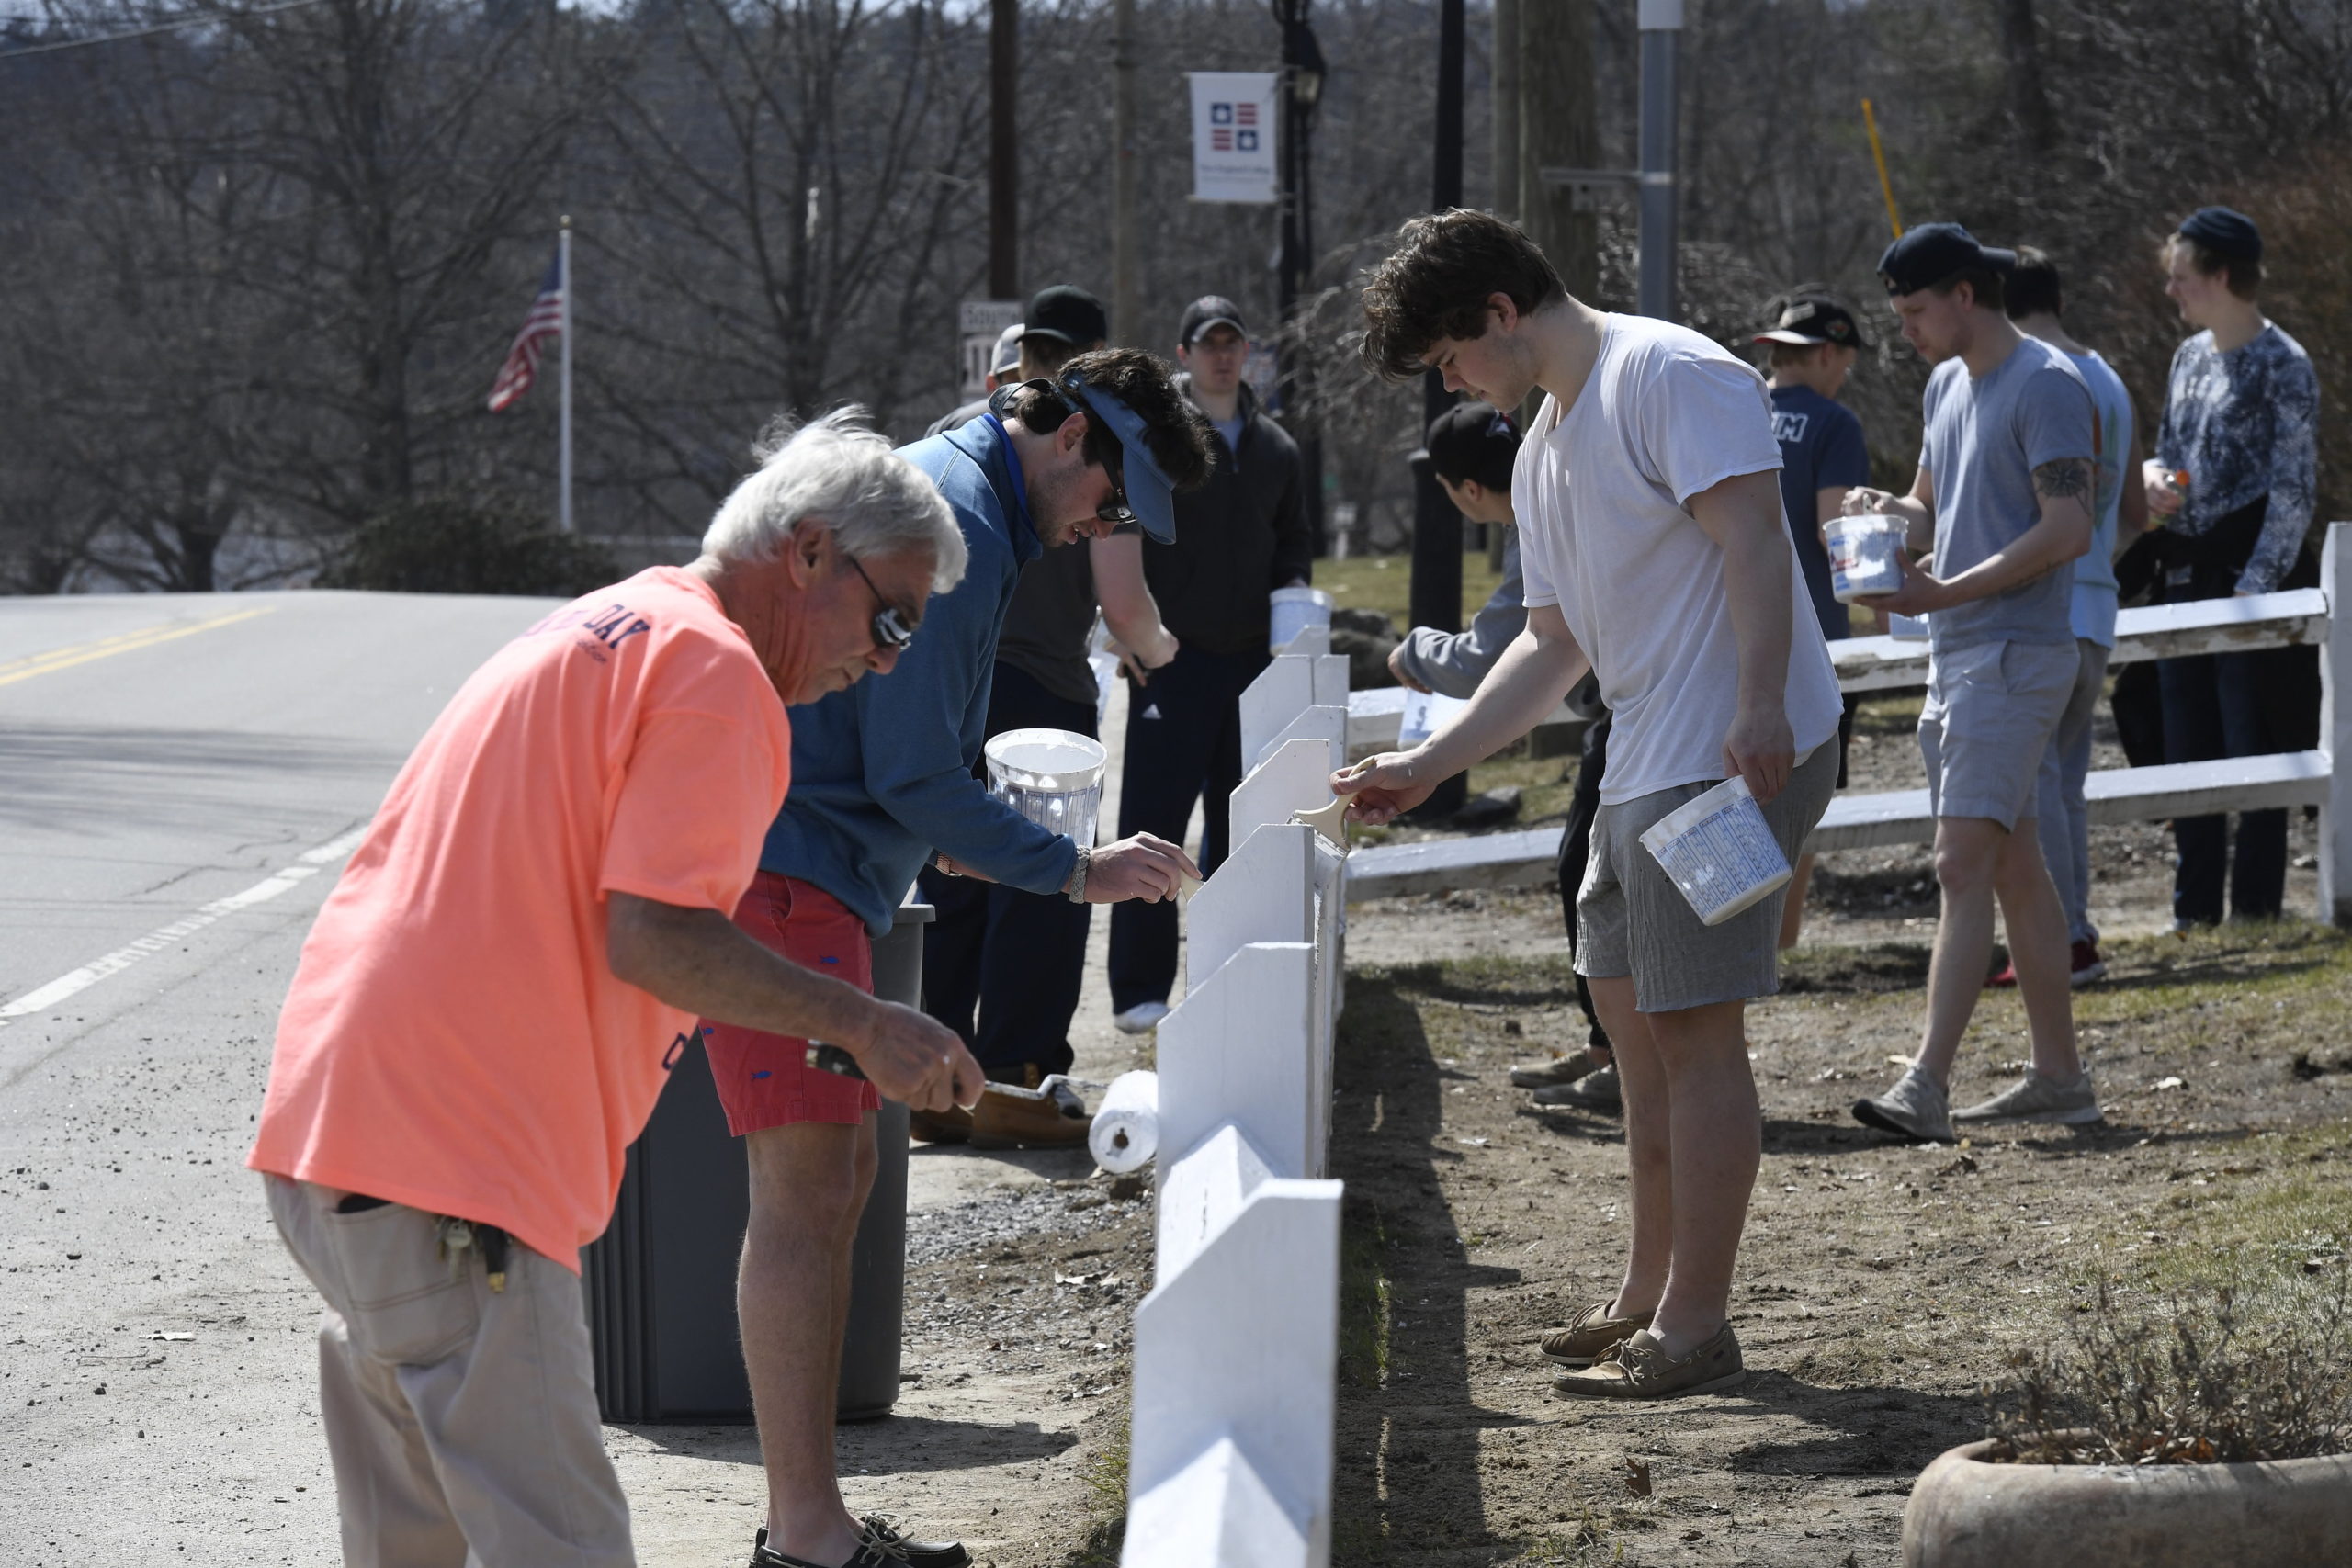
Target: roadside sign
{"type": "Point", "coordinates": [979, 323]}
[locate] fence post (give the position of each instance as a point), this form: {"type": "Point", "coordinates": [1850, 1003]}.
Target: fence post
{"type": "Point", "coordinates": [2336, 729]}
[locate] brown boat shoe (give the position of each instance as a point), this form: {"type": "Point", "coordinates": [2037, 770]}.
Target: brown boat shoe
{"type": "Point", "coordinates": [1640, 1369]}
{"type": "Point", "coordinates": [1591, 1335]}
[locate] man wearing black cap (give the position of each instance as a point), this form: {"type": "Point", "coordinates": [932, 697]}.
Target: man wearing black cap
{"type": "Point", "coordinates": [1238, 537]}
{"type": "Point", "coordinates": [2242, 420]}
{"type": "Point", "coordinates": [1813, 345]}
{"type": "Point", "coordinates": [1003, 967]}
{"type": "Point", "coordinates": [882, 782]}
{"type": "Point", "coordinates": [2002, 495]}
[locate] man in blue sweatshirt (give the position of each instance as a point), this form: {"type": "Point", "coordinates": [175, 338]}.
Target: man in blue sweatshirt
{"type": "Point", "coordinates": [882, 783]}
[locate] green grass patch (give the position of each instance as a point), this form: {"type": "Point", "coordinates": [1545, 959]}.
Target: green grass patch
{"type": "Point", "coordinates": [1385, 583]}
{"type": "Point", "coordinates": [1364, 1297]}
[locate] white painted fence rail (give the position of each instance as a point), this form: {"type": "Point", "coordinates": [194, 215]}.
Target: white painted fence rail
{"type": "Point", "coordinates": [2321, 777]}
{"type": "Point", "coordinates": [1230, 1451]}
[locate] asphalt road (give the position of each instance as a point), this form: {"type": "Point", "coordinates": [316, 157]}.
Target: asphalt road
{"type": "Point", "coordinates": [167, 765]}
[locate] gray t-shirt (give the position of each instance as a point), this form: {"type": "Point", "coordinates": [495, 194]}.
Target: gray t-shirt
{"type": "Point", "coordinates": [1983, 439]}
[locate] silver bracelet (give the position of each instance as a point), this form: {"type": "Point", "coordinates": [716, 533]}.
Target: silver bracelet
{"type": "Point", "coordinates": [1077, 876]}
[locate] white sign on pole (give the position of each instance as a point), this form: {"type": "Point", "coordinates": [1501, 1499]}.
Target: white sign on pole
{"type": "Point", "coordinates": [1233, 134]}
{"type": "Point", "coordinates": [979, 323]}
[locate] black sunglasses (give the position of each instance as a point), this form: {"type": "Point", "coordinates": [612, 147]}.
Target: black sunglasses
{"type": "Point", "coordinates": [890, 629]}
{"type": "Point", "coordinates": [1114, 511]}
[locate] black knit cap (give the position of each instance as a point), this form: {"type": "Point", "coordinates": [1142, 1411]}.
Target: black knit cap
{"type": "Point", "coordinates": [2225, 231]}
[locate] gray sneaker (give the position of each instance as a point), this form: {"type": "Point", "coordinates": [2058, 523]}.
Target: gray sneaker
{"type": "Point", "coordinates": [1557, 1070]}
{"type": "Point", "coordinates": [1598, 1090]}
{"type": "Point", "coordinates": [1915, 1108]}
{"type": "Point", "coordinates": [2037, 1099]}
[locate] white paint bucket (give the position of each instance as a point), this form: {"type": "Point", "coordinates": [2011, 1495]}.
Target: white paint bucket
{"type": "Point", "coordinates": [1054, 777]}
{"type": "Point", "coordinates": [1720, 852]}
{"type": "Point", "coordinates": [1865, 555]}
{"type": "Point", "coordinates": [1294, 610]}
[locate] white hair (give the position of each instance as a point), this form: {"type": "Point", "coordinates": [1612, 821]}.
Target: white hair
{"type": "Point", "coordinates": [838, 470]}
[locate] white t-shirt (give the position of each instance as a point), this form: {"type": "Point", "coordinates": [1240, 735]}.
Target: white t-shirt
{"type": "Point", "coordinates": [1599, 493]}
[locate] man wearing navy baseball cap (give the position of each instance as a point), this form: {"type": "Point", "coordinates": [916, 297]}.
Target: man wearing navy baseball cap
{"type": "Point", "coordinates": [880, 786]}
{"type": "Point", "coordinates": [2003, 496]}
{"type": "Point", "coordinates": [1244, 533]}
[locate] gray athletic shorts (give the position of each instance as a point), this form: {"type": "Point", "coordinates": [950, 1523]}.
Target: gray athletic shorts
{"type": "Point", "coordinates": [1631, 920]}
{"type": "Point", "coordinates": [1986, 726]}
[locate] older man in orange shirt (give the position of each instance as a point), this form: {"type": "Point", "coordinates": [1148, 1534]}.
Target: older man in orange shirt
{"type": "Point", "coordinates": [489, 1002]}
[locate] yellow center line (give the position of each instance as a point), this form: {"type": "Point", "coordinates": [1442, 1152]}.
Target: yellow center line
{"type": "Point", "coordinates": [106, 647]}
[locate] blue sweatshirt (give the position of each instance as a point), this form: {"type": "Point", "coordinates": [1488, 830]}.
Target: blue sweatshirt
{"type": "Point", "coordinates": [882, 772]}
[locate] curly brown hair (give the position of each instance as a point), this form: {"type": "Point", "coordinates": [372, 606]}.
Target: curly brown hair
{"type": "Point", "coordinates": [1178, 433]}
{"type": "Point", "coordinates": [1437, 281]}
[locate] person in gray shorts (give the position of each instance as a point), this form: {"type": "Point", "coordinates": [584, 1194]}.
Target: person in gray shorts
{"type": "Point", "coordinates": [2004, 496]}
{"type": "Point", "coordinates": [1651, 537]}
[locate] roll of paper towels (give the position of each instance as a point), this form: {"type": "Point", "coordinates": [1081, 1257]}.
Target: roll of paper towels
{"type": "Point", "coordinates": [1126, 1125]}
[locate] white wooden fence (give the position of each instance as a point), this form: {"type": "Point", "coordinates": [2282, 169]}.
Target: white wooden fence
{"type": "Point", "coordinates": [2321, 777]}
{"type": "Point", "coordinates": [1237, 1347]}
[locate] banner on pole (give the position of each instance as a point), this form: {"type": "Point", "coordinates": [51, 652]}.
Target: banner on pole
{"type": "Point", "coordinates": [1233, 135]}
{"type": "Point", "coordinates": [979, 323]}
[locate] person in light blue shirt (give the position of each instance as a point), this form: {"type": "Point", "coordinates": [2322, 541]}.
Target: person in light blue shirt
{"type": "Point", "coordinates": [2119, 513]}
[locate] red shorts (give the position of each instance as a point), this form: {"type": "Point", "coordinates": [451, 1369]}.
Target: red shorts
{"type": "Point", "coordinates": [764, 1080]}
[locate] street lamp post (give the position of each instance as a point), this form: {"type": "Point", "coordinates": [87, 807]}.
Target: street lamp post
{"type": "Point", "coordinates": [1302, 91]}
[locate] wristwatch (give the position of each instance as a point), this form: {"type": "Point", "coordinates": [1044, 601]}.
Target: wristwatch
{"type": "Point", "coordinates": [1077, 876]}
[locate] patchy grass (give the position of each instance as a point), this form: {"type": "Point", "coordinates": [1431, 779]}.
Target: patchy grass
{"type": "Point", "coordinates": [1363, 1297]}
{"type": "Point", "coordinates": [1385, 583]}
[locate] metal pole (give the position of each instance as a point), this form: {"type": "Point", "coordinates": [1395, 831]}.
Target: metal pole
{"type": "Point", "coordinates": [563, 422]}
{"type": "Point", "coordinates": [1125, 328]}
{"type": "Point", "coordinates": [1004, 150]}
{"type": "Point", "coordinates": [1436, 591]}
{"type": "Point", "coordinates": [1661, 30]}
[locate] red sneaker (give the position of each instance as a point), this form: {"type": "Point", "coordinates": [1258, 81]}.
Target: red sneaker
{"type": "Point", "coordinates": [2007, 974]}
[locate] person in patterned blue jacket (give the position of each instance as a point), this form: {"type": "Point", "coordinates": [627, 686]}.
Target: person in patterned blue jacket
{"type": "Point", "coordinates": [2241, 421]}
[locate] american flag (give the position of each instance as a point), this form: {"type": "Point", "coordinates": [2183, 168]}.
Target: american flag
{"type": "Point", "coordinates": [544, 321]}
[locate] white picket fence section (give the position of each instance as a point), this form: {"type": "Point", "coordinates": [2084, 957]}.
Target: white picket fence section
{"type": "Point", "coordinates": [1237, 1347]}
{"type": "Point", "coordinates": [2321, 777]}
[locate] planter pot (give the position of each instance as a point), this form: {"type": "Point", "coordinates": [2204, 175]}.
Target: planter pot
{"type": "Point", "coordinates": [1966, 1513]}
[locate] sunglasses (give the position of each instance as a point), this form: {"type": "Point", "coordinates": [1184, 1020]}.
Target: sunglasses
{"type": "Point", "coordinates": [890, 629]}
{"type": "Point", "coordinates": [1114, 511]}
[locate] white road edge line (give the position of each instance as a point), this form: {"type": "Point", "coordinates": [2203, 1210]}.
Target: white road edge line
{"type": "Point", "coordinates": [306, 865]}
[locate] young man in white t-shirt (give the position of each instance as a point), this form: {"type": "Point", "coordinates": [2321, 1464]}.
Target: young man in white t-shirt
{"type": "Point", "coordinates": [1655, 552]}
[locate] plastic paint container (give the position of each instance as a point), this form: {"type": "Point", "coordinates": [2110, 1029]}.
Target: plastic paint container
{"type": "Point", "coordinates": [1054, 777]}
{"type": "Point", "coordinates": [1720, 852]}
{"type": "Point", "coordinates": [1865, 555]}
{"type": "Point", "coordinates": [1294, 610]}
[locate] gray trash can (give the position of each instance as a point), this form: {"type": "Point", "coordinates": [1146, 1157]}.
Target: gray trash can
{"type": "Point", "coordinates": [660, 1282]}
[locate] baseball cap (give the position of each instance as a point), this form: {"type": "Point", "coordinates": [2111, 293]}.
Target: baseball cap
{"type": "Point", "coordinates": [1471, 441]}
{"type": "Point", "coordinates": [1150, 496]}
{"type": "Point", "coordinates": [1005, 358]}
{"type": "Point", "coordinates": [1208, 311]}
{"type": "Point", "coordinates": [1812, 320]}
{"type": "Point", "coordinates": [2225, 231]}
{"type": "Point", "coordinates": [1067, 313]}
{"type": "Point", "coordinates": [1933, 252]}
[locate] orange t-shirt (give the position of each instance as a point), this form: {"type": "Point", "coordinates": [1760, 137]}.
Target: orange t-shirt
{"type": "Point", "coordinates": [455, 1039]}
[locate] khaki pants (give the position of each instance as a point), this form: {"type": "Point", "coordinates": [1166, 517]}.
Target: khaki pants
{"type": "Point", "coordinates": [462, 1422]}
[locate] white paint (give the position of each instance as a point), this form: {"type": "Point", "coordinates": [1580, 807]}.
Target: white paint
{"type": "Point", "coordinates": [1295, 776]}
{"type": "Point", "coordinates": [1241, 1345]}
{"type": "Point", "coordinates": [306, 865]}
{"type": "Point", "coordinates": [2335, 730]}
{"type": "Point", "coordinates": [1263, 892]}
{"type": "Point", "coordinates": [1200, 1195]}
{"type": "Point", "coordinates": [1324, 722]}
{"type": "Point", "coordinates": [1238, 1052]}
{"type": "Point", "coordinates": [1311, 640]}
{"type": "Point", "coordinates": [1215, 1510]}
{"type": "Point", "coordinates": [1284, 689]}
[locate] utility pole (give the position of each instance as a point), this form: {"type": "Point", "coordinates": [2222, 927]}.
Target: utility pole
{"type": "Point", "coordinates": [1125, 328]}
{"type": "Point", "coordinates": [1504, 53]}
{"type": "Point", "coordinates": [1661, 33]}
{"type": "Point", "coordinates": [1004, 150]}
{"type": "Point", "coordinates": [1559, 126]}
{"type": "Point", "coordinates": [1436, 590]}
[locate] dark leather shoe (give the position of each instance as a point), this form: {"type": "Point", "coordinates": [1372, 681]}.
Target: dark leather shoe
{"type": "Point", "coordinates": [887, 1532]}
{"type": "Point", "coordinates": [867, 1555]}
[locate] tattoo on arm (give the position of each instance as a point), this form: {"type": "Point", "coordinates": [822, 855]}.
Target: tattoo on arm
{"type": "Point", "coordinates": [2068, 478]}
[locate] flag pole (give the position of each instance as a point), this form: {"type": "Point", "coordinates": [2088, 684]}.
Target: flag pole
{"type": "Point", "coordinates": [563, 449]}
